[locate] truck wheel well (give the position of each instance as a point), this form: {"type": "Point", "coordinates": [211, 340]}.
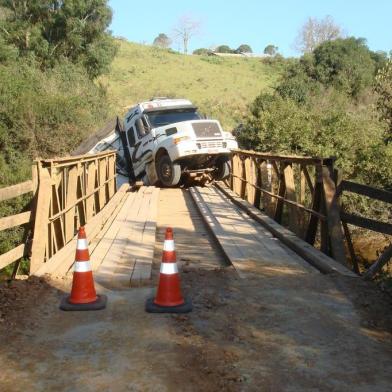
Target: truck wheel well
{"type": "Point", "coordinates": [160, 152]}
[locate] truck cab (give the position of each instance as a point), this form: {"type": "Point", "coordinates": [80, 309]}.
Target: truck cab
{"type": "Point", "coordinates": [169, 141]}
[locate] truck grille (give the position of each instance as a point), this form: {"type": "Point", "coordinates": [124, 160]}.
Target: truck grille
{"type": "Point", "coordinates": [206, 129]}
{"type": "Point", "coordinates": [211, 144]}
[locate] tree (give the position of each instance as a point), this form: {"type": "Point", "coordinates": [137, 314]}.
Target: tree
{"type": "Point", "coordinates": [244, 48]}
{"type": "Point", "coordinates": [163, 41]}
{"type": "Point", "coordinates": [383, 89]}
{"type": "Point", "coordinates": [202, 51]}
{"type": "Point", "coordinates": [51, 30]}
{"type": "Point", "coordinates": [223, 49]}
{"type": "Point", "coordinates": [271, 50]}
{"type": "Point", "coordinates": [186, 28]}
{"type": "Point", "coordinates": [316, 31]}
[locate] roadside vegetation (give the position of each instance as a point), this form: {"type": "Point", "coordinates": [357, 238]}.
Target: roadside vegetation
{"type": "Point", "coordinates": [50, 57]}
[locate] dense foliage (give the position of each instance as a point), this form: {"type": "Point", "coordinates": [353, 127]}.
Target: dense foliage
{"type": "Point", "coordinates": [50, 52]}
{"type": "Point", "coordinates": [53, 30]}
{"type": "Point", "coordinates": [325, 105]}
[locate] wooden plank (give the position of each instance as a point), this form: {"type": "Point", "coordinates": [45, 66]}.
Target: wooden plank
{"type": "Point", "coordinates": [311, 230]}
{"type": "Point", "coordinates": [113, 273]}
{"type": "Point", "coordinates": [69, 216]}
{"type": "Point", "coordinates": [15, 220]}
{"type": "Point", "coordinates": [96, 224]}
{"type": "Point", "coordinates": [250, 172]}
{"type": "Point", "coordinates": [266, 184]}
{"type": "Point", "coordinates": [65, 257]}
{"type": "Point", "coordinates": [40, 238]}
{"type": "Point", "coordinates": [282, 191]}
{"type": "Point", "coordinates": [237, 174]}
{"type": "Point", "coordinates": [333, 216]}
{"type": "Point", "coordinates": [16, 190]}
{"type": "Point", "coordinates": [379, 264]}
{"type": "Point", "coordinates": [240, 238]}
{"type": "Point", "coordinates": [294, 221]}
{"type": "Point", "coordinates": [350, 247]}
{"type": "Point", "coordinates": [365, 190]}
{"type": "Point", "coordinates": [112, 172]}
{"type": "Point", "coordinates": [367, 223]}
{"type": "Point", "coordinates": [102, 179]}
{"type": "Point", "coordinates": [91, 179]}
{"type": "Point", "coordinates": [12, 255]}
{"type": "Point", "coordinates": [106, 242]}
{"type": "Point", "coordinates": [316, 258]}
{"type": "Point", "coordinates": [284, 158]}
{"type": "Point", "coordinates": [143, 266]}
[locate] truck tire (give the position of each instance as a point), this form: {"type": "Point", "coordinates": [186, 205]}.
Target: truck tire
{"type": "Point", "coordinates": [222, 171]}
{"type": "Point", "coordinates": [169, 173]}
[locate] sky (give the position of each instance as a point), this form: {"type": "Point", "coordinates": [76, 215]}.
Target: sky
{"type": "Point", "coordinates": [257, 23]}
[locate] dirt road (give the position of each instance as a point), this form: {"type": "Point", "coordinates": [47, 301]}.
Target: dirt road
{"type": "Point", "coordinates": [278, 329]}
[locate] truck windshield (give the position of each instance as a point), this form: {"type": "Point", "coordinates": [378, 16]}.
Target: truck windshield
{"type": "Point", "coordinates": [165, 117]}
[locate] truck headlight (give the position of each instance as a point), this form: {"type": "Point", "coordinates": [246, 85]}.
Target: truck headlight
{"type": "Point", "coordinates": [177, 140]}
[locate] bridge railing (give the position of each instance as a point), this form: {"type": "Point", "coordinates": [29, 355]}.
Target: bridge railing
{"type": "Point", "coordinates": [302, 194]}
{"type": "Point", "coordinates": [298, 192]}
{"type": "Point", "coordinates": [67, 192]}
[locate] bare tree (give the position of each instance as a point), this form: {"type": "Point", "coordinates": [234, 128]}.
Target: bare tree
{"type": "Point", "coordinates": [316, 31]}
{"type": "Point", "coordinates": [185, 29]}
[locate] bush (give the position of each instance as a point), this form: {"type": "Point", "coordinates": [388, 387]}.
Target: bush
{"type": "Point", "coordinates": [202, 52]}
{"type": "Point", "coordinates": [44, 113]}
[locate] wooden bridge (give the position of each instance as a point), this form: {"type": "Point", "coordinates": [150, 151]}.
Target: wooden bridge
{"type": "Point", "coordinates": [267, 257]}
{"type": "Point", "coordinates": [296, 199]}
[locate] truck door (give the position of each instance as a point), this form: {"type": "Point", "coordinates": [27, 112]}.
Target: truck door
{"type": "Point", "coordinates": [140, 145]}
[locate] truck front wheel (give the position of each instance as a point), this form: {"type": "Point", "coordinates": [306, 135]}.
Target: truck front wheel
{"type": "Point", "coordinates": [169, 173]}
{"type": "Point", "coordinates": [222, 170]}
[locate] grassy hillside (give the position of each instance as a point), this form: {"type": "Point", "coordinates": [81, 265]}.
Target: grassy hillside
{"type": "Point", "coordinates": [220, 87]}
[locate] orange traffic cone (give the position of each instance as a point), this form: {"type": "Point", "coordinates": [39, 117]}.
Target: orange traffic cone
{"type": "Point", "coordinates": [83, 295]}
{"type": "Point", "coordinates": [169, 298]}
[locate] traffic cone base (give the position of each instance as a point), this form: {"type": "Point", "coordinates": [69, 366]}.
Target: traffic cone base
{"type": "Point", "coordinates": [152, 307]}
{"type": "Point", "coordinates": [98, 304]}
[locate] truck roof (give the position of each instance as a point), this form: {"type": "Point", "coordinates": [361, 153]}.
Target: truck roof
{"type": "Point", "coordinates": [158, 103]}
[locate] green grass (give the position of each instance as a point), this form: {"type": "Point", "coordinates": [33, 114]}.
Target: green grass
{"type": "Point", "coordinates": [221, 87]}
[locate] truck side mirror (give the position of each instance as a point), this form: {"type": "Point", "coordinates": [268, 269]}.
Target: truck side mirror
{"type": "Point", "coordinates": [140, 127]}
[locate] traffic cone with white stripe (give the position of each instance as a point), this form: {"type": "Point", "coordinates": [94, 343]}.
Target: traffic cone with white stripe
{"type": "Point", "coordinates": [83, 295]}
{"type": "Point", "coordinates": [169, 298]}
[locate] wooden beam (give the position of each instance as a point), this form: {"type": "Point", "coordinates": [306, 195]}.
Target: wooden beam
{"type": "Point", "coordinates": [91, 178]}
{"type": "Point", "coordinates": [41, 221]}
{"type": "Point", "coordinates": [311, 230]}
{"type": "Point", "coordinates": [332, 210]}
{"type": "Point", "coordinates": [69, 217]}
{"type": "Point", "coordinates": [365, 190]}
{"type": "Point", "coordinates": [12, 255]}
{"type": "Point", "coordinates": [294, 222]}
{"type": "Point", "coordinates": [377, 266]}
{"type": "Point", "coordinates": [367, 223]}
{"type": "Point", "coordinates": [16, 190]}
{"type": "Point", "coordinates": [15, 220]}
{"type": "Point", "coordinates": [250, 173]}
{"type": "Point", "coordinates": [282, 191]}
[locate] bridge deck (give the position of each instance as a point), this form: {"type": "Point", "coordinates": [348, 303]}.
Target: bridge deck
{"type": "Point", "coordinates": [281, 328]}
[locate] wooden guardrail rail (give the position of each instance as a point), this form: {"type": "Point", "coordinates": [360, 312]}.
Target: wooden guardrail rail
{"type": "Point", "coordinates": [366, 223]}
{"type": "Point", "coordinates": [9, 222]}
{"type": "Point", "coordinates": [68, 192]}
{"type": "Point", "coordinates": [301, 193]}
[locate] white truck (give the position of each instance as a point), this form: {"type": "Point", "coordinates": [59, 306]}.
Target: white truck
{"type": "Point", "coordinates": [166, 141]}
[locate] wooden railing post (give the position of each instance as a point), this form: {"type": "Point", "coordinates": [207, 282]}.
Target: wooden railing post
{"type": "Point", "coordinates": [332, 210]}
{"type": "Point", "coordinates": [40, 237]}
